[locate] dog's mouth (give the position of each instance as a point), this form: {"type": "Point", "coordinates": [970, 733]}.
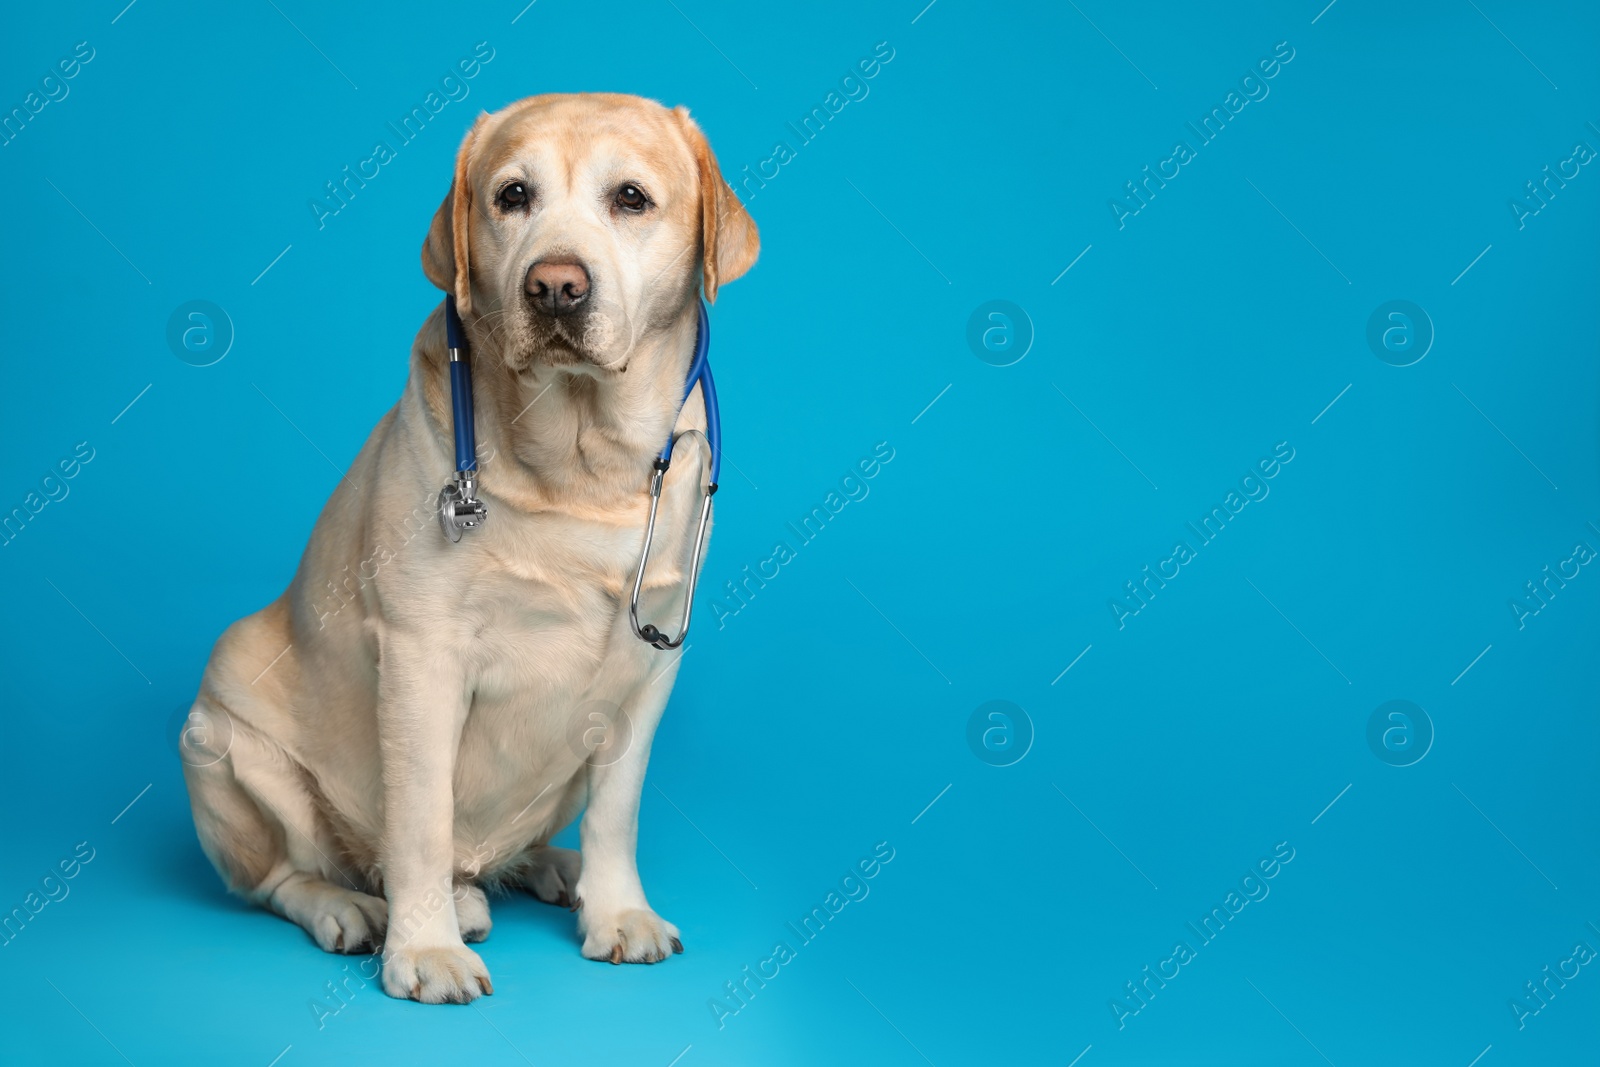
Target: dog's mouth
{"type": "Point", "coordinates": [558, 344]}
{"type": "Point", "coordinates": [583, 340]}
{"type": "Point", "coordinates": [559, 350]}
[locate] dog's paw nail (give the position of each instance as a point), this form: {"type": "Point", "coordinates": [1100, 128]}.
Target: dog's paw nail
{"type": "Point", "coordinates": [634, 935]}
{"type": "Point", "coordinates": [441, 974]}
{"type": "Point", "coordinates": [577, 902]}
{"type": "Point", "coordinates": [488, 987]}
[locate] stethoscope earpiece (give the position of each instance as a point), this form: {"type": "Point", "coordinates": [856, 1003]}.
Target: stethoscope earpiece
{"type": "Point", "coordinates": [699, 374]}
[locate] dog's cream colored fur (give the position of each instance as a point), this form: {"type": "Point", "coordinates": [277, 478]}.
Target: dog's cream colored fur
{"type": "Point", "coordinates": [410, 720]}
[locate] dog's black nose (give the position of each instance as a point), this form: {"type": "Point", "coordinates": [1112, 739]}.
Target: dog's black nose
{"type": "Point", "coordinates": [558, 286]}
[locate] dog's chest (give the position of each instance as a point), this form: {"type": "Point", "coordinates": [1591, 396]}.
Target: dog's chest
{"type": "Point", "coordinates": [570, 551]}
{"type": "Point", "coordinates": [554, 662]}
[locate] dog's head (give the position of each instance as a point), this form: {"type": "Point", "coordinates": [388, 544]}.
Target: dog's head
{"type": "Point", "coordinates": [577, 225]}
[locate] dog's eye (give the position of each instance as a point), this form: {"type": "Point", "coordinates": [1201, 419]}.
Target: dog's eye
{"type": "Point", "coordinates": [631, 198]}
{"type": "Point", "coordinates": [512, 197]}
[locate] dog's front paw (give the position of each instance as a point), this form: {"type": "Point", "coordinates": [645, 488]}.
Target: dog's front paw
{"type": "Point", "coordinates": [448, 974]}
{"type": "Point", "coordinates": [635, 935]}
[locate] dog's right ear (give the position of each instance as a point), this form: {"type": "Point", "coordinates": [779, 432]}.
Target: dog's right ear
{"type": "Point", "coordinates": [445, 256]}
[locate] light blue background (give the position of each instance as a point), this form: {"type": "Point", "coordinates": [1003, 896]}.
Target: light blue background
{"type": "Point", "coordinates": [827, 714]}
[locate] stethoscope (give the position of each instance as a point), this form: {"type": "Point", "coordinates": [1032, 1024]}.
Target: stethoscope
{"type": "Point", "coordinates": [461, 510]}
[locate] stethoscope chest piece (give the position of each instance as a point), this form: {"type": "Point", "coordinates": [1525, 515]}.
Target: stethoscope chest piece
{"type": "Point", "coordinates": [459, 508]}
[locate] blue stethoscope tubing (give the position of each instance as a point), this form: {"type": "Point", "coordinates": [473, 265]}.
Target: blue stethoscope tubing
{"type": "Point", "coordinates": [460, 390]}
{"type": "Point", "coordinates": [700, 374]}
{"type": "Point", "coordinates": [459, 508]}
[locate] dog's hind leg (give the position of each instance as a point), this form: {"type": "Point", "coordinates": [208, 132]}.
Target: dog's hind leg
{"type": "Point", "coordinates": [338, 919]}
{"type": "Point", "coordinates": [259, 828]}
{"type": "Point", "coordinates": [551, 874]}
{"type": "Point", "coordinates": [472, 912]}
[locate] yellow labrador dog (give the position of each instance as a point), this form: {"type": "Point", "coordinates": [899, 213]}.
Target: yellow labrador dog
{"type": "Point", "coordinates": [414, 719]}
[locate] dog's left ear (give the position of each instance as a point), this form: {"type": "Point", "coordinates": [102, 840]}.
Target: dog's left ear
{"type": "Point", "coordinates": [445, 258]}
{"type": "Point", "coordinates": [729, 241]}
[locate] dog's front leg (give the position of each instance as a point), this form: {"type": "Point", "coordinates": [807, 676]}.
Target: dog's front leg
{"type": "Point", "coordinates": [422, 704]}
{"type": "Point", "coordinates": [614, 917]}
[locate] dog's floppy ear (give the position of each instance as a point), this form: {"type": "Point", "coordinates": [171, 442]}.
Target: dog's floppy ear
{"type": "Point", "coordinates": [729, 242]}
{"type": "Point", "coordinates": [445, 258]}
